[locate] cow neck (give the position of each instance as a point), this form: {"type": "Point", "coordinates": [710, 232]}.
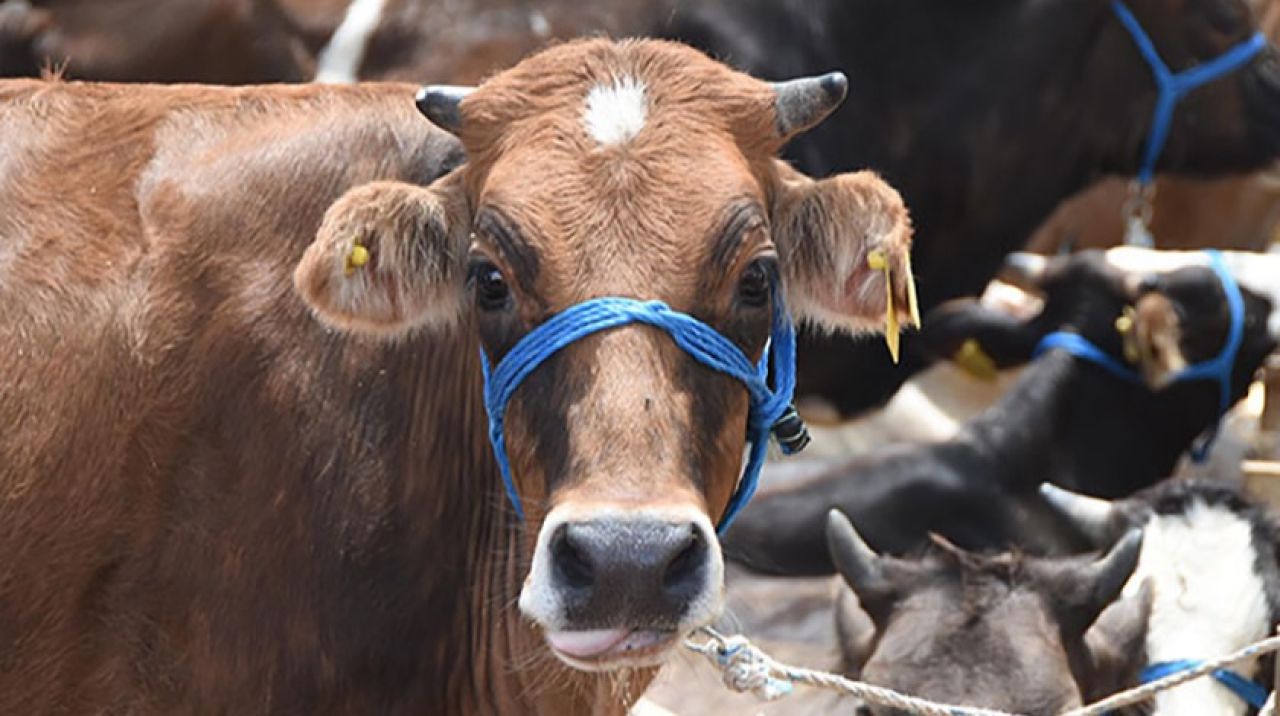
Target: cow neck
{"type": "Point", "coordinates": [1014, 437]}
{"type": "Point", "coordinates": [502, 664]}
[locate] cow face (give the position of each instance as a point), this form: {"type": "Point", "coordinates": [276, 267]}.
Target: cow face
{"type": "Point", "coordinates": [1002, 632]}
{"type": "Point", "coordinates": [635, 169]}
{"type": "Point", "coordinates": [1187, 33]}
{"type": "Point", "coordinates": [1183, 316]}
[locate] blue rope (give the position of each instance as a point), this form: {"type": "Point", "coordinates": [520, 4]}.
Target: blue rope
{"type": "Point", "coordinates": [1172, 87]}
{"type": "Point", "coordinates": [1218, 368]}
{"type": "Point", "coordinates": [767, 406]}
{"type": "Point", "coordinates": [1084, 349]}
{"type": "Point", "coordinates": [1250, 692]}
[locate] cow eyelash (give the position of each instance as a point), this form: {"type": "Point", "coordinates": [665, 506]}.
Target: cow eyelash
{"type": "Point", "coordinates": [755, 285]}
{"type": "Point", "coordinates": [489, 284]}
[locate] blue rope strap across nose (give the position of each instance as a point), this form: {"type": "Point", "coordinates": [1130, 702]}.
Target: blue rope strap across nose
{"type": "Point", "coordinates": [1250, 692]}
{"type": "Point", "coordinates": [1172, 86]}
{"type": "Point", "coordinates": [1218, 368]}
{"type": "Point", "coordinates": [770, 408]}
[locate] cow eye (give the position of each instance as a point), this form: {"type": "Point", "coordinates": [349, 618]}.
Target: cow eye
{"type": "Point", "coordinates": [492, 292]}
{"type": "Point", "coordinates": [755, 284]}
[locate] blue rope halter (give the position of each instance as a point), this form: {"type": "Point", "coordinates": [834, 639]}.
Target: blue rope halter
{"type": "Point", "coordinates": [770, 409]}
{"type": "Point", "coordinates": [1250, 692]}
{"type": "Point", "coordinates": [1172, 86]}
{"type": "Point", "coordinates": [1217, 368]}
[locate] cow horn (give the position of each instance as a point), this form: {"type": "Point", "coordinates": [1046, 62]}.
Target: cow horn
{"type": "Point", "coordinates": [1090, 515]}
{"type": "Point", "coordinates": [1109, 573]}
{"type": "Point", "coordinates": [861, 567]}
{"type": "Point", "coordinates": [439, 103]}
{"type": "Point", "coordinates": [802, 103]}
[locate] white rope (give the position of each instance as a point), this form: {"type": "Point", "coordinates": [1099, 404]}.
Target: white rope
{"type": "Point", "coordinates": [748, 669]}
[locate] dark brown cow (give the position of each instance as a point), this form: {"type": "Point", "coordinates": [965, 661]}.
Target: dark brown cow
{"type": "Point", "coordinates": [213, 503]}
{"type": "Point", "coordinates": [1014, 633]}
{"type": "Point", "coordinates": [219, 41]}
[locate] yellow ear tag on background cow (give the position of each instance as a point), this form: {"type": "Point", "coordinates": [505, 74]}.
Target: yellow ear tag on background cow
{"type": "Point", "coordinates": [358, 257]}
{"type": "Point", "coordinates": [877, 261]}
{"type": "Point", "coordinates": [1124, 326]}
{"type": "Point", "coordinates": [975, 361]}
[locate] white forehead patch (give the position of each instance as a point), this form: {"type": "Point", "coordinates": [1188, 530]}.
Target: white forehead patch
{"type": "Point", "coordinates": [616, 112]}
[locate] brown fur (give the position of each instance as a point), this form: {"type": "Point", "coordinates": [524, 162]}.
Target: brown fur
{"type": "Point", "coordinates": [214, 503]}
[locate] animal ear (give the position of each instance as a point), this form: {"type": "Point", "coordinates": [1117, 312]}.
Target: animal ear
{"type": "Point", "coordinates": [978, 338]}
{"type": "Point", "coordinates": [1154, 334]}
{"type": "Point", "coordinates": [844, 244]}
{"type": "Point", "coordinates": [1115, 646]}
{"type": "Point", "coordinates": [388, 257]}
{"type": "Point", "coordinates": [862, 569]}
{"type": "Point", "coordinates": [1080, 591]}
{"type": "Point", "coordinates": [855, 632]}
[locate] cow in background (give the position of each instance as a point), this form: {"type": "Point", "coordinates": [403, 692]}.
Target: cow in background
{"type": "Point", "coordinates": [211, 41]}
{"type": "Point", "coordinates": [215, 503]}
{"type": "Point", "coordinates": [1065, 420]}
{"type": "Point", "coordinates": [1210, 554]}
{"type": "Point", "coordinates": [1019, 634]}
{"type": "Point", "coordinates": [1237, 212]}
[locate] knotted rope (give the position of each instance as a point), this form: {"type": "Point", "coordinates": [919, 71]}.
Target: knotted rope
{"type": "Point", "coordinates": [745, 668]}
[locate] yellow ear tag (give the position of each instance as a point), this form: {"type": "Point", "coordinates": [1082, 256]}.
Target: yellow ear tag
{"type": "Point", "coordinates": [913, 305]}
{"type": "Point", "coordinates": [1124, 326]}
{"type": "Point", "coordinates": [975, 361]}
{"type": "Point", "coordinates": [877, 261]}
{"type": "Point", "coordinates": [358, 257]}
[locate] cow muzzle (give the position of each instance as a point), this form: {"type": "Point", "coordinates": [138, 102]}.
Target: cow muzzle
{"type": "Point", "coordinates": [611, 588]}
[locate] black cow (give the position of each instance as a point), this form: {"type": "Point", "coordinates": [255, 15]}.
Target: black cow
{"type": "Point", "coordinates": [985, 115]}
{"type": "Point", "coordinates": [1066, 420]}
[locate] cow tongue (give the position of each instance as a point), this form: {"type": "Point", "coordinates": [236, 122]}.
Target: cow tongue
{"type": "Point", "coordinates": [587, 643]}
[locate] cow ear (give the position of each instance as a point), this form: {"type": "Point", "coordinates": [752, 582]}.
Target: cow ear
{"type": "Point", "coordinates": [389, 257]}
{"type": "Point", "coordinates": [855, 632]}
{"type": "Point", "coordinates": [844, 244]}
{"type": "Point", "coordinates": [1115, 644]}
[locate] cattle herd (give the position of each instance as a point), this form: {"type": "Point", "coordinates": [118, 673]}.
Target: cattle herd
{"type": "Point", "coordinates": [404, 356]}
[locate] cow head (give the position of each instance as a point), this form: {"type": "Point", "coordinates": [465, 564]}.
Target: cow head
{"type": "Point", "coordinates": [1231, 124]}
{"type": "Point", "coordinates": [639, 169]}
{"type": "Point", "coordinates": [1005, 632]}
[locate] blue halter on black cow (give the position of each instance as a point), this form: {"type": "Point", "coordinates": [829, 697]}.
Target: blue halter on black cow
{"type": "Point", "coordinates": [1068, 420]}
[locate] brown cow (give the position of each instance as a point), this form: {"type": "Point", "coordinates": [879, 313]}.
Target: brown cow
{"type": "Point", "coordinates": [213, 503]}
{"type": "Point", "coordinates": [220, 41]}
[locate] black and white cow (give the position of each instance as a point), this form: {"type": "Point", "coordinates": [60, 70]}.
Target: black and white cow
{"type": "Point", "coordinates": [1067, 420]}
{"type": "Point", "coordinates": [1210, 554]}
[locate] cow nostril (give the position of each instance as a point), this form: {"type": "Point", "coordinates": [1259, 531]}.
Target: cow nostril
{"type": "Point", "coordinates": [686, 565]}
{"type": "Point", "coordinates": [572, 566]}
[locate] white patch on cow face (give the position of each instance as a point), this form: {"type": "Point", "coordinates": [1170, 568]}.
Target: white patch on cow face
{"type": "Point", "coordinates": [541, 600]}
{"type": "Point", "coordinates": [340, 60]}
{"type": "Point", "coordinates": [1209, 600]}
{"type": "Point", "coordinates": [1260, 273]}
{"type": "Point", "coordinates": [616, 113]}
